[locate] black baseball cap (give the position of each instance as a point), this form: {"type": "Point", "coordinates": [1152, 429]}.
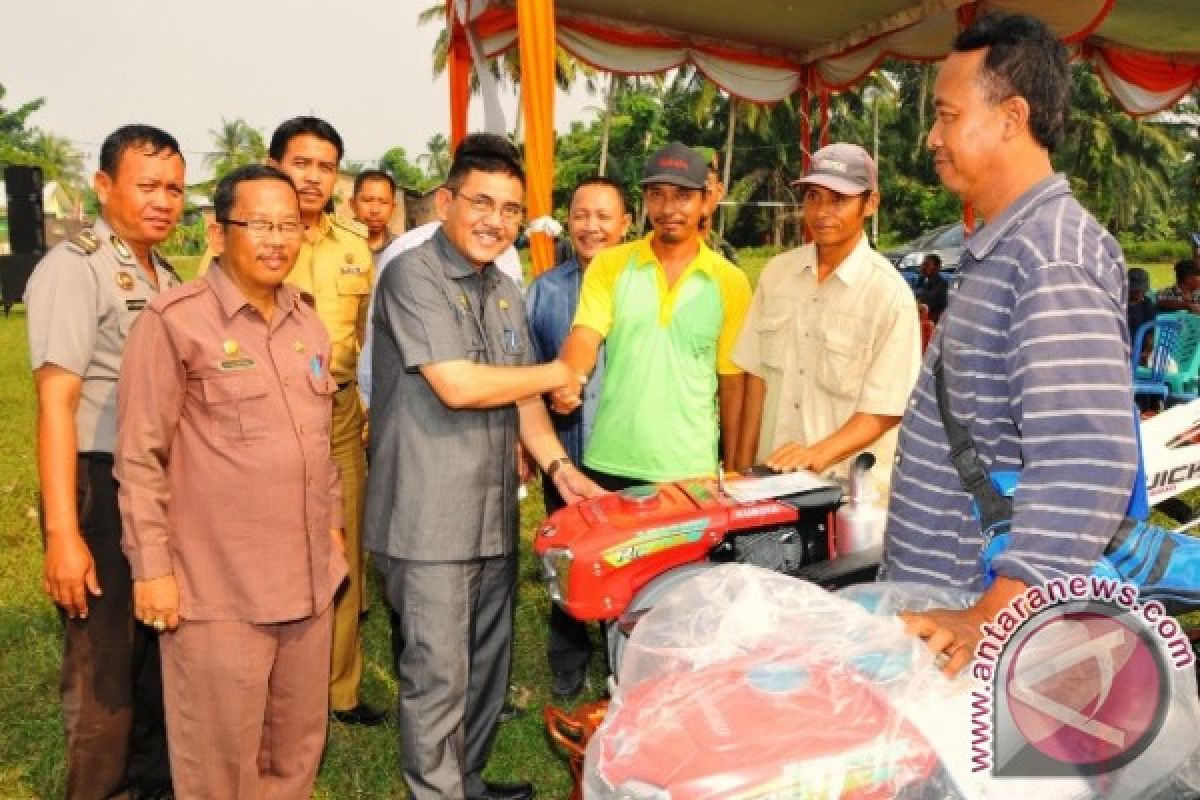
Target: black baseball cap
{"type": "Point", "coordinates": [676, 164]}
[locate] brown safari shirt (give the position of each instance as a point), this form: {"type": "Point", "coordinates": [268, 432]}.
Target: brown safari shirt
{"type": "Point", "coordinates": [335, 266]}
{"type": "Point", "coordinates": [226, 479]}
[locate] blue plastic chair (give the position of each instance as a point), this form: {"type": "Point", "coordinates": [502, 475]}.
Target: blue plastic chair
{"type": "Point", "coordinates": [1183, 381]}
{"type": "Point", "coordinates": [1150, 378]}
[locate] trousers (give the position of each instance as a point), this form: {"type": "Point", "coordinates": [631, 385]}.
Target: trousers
{"type": "Point", "coordinates": [456, 621]}
{"type": "Point", "coordinates": [346, 659]}
{"type": "Point", "coordinates": [247, 707]}
{"type": "Point", "coordinates": [568, 646]}
{"type": "Point", "coordinates": [111, 682]}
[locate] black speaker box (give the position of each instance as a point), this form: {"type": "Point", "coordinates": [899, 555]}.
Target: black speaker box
{"type": "Point", "coordinates": [26, 218]}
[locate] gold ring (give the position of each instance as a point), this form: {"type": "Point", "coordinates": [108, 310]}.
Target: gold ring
{"type": "Point", "coordinates": [158, 625]}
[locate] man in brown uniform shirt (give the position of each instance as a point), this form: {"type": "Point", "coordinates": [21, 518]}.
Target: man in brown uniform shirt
{"type": "Point", "coordinates": [228, 377]}
{"type": "Point", "coordinates": [335, 267]}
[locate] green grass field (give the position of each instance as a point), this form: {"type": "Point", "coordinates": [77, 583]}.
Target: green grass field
{"type": "Point", "coordinates": [357, 764]}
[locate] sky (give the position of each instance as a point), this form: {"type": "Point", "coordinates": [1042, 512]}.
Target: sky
{"type": "Point", "coordinates": [363, 65]}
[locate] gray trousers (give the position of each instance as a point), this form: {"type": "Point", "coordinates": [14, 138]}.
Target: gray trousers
{"type": "Point", "coordinates": [456, 620]}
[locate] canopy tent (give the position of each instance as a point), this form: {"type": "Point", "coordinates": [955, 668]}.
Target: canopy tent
{"type": "Point", "coordinates": [1147, 52]}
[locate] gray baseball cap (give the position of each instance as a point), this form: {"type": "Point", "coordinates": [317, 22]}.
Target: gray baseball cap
{"type": "Point", "coordinates": [843, 168]}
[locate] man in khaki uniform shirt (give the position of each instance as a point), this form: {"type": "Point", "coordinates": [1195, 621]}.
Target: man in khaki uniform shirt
{"type": "Point", "coordinates": [227, 377]}
{"type": "Point", "coordinates": [831, 344]}
{"type": "Point", "coordinates": [81, 301]}
{"type": "Point", "coordinates": [335, 266]}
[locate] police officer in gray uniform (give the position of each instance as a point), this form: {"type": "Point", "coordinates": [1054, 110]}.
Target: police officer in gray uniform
{"type": "Point", "coordinates": [82, 300]}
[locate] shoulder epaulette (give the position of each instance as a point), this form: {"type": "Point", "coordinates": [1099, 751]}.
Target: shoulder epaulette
{"type": "Point", "coordinates": [305, 297]}
{"type": "Point", "coordinates": [85, 242]}
{"type": "Point", "coordinates": [181, 292]}
{"type": "Point", "coordinates": [352, 225]}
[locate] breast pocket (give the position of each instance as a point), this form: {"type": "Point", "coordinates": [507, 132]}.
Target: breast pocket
{"type": "Point", "coordinates": [237, 406]}
{"type": "Point", "coordinates": [842, 363]}
{"type": "Point", "coordinates": [772, 342]}
{"type": "Point", "coordinates": [352, 289]}
{"type": "Point", "coordinates": [318, 403]}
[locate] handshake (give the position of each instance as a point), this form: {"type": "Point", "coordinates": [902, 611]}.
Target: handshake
{"type": "Point", "coordinates": [568, 396]}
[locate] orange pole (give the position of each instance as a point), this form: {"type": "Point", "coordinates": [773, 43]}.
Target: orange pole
{"type": "Point", "coordinates": [824, 117]}
{"type": "Point", "coordinates": [459, 68]}
{"type": "Point", "coordinates": [538, 48]}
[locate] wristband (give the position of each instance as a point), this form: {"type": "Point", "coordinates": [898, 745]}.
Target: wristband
{"type": "Point", "coordinates": [555, 465]}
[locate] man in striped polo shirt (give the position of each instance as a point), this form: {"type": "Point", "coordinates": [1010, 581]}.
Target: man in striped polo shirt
{"type": "Point", "coordinates": [1033, 344]}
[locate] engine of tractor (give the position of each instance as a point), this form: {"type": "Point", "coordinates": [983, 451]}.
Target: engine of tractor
{"type": "Point", "coordinates": [779, 549]}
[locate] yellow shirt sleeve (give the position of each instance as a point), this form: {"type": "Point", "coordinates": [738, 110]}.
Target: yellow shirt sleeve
{"type": "Point", "coordinates": [599, 287]}
{"type": "Point", "coordinates": [735, 295]}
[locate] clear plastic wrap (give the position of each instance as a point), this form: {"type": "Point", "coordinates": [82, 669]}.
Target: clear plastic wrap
{"type": "Point", "coordinates": [744, 683]}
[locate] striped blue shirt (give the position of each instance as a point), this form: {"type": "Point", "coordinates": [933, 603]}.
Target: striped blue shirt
{"type": "Point", "coordinates": [1037, 368]}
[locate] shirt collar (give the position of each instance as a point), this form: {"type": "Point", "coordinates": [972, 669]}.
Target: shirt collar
{"type": "Point", "coordinates": [231, 300]}
{"type": "Point", "coordinates": [702, 262]}
{"type": "Point", "coordinates": [454, 264]}
{"type": "Point", "coordinates": [853, 266]}
{"type": "Point", "coordinates": [105, 234]}
{"type": "Point", "coordinates": [391, 237]}
{"type": "Point", "coordinates": [983, 241]}
{"type": "Point", "coordinates": [319, 231]}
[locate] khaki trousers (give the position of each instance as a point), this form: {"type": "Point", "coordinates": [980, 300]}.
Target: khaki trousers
{"type": "Point", "coordinates": [346, 663]}
{"type": "Point", "coordinates": [246, 706]}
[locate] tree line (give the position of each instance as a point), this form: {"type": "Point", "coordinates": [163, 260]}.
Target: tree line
{"type": "Point", "coordinates": [1139, 176]}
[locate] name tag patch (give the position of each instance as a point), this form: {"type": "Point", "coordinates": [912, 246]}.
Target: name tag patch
{"type": "Point", "coordinates": [135, 305]}
{"type": "Point", "coordinates": [233, 364]}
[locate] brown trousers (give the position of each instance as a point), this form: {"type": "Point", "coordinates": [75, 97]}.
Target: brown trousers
{"type": "Point", "coordinates": [247, 707]}
{"type": "Point", "coordinates": [346, 663]}
{"type": "Point", "coordinates": [110, 685]}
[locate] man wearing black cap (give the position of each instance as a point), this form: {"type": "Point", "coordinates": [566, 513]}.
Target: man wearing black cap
{"type": "Point", "coordinates": [831, 345]}
{"type": "Point", "coordinates": [668, 310]}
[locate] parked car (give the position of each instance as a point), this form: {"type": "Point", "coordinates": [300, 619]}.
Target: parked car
{"type": "Point", "coordinates": [946, 241]}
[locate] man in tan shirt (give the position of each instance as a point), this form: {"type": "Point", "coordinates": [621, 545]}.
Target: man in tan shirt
{"type": "Point", "coordinates": [228, 377]}
{"type": "Point", "coordinates": [831, 345]}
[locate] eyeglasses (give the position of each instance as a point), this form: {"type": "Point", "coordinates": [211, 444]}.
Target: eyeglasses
{"type": "Point", "coordinates": [261, 228]}
{"type": "Point", "coordinates": [485, 206]}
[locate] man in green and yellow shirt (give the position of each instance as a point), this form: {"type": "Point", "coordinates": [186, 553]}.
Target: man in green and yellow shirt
{"type": "Point", "coordinates": [668, 310]}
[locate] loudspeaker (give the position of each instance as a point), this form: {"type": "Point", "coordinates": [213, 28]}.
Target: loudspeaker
{"type": "Point", "coordinates": [26, 218]}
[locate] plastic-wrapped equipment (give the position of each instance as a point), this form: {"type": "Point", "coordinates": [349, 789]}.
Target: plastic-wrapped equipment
{"type": "Point", "coordinates": [744, 683]}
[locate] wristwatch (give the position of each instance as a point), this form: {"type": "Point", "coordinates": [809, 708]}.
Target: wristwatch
{"type": "Point", "coordinates": [555, 465]}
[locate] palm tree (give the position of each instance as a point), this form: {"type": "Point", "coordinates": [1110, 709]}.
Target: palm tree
{"type": "Point", "coordinates": [59, 159]}
{"type": "Point", "coordinates": [235, 144]}
{"type": "Point", "coordinates": [506, 68]}
{"type": "Point", "coordinates": [1122, 168]}
{"type": "Point", "coordinates": [436, 158]}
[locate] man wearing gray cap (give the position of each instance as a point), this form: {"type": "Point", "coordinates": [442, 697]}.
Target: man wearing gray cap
{"type": "Point", "coordinates": [831, 345]}
{"type": "Point", "coordinates": [668, 310]}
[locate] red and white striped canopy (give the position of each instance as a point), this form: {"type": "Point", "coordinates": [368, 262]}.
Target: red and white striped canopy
{"type": "Point", "coordinates": [1146, 51]}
